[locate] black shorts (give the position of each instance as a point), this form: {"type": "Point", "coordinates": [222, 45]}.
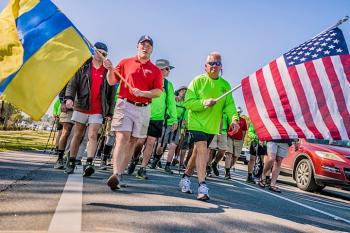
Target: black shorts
{"type": "Point", "coordinates": [59, 126]}
{"type": "Point", "coordinates": [199, 136]}
{"type": "Point", "coordinates": [155, 128]}
{"type": "Point", "coordinates": [262, 150]}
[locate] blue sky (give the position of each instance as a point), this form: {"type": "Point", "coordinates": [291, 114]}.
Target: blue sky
{"type": "Point", "coordinates": [248, 34]}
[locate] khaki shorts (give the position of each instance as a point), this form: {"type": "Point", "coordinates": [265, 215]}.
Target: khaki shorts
{"type": "Point", "coordinates": [130, 118]}
{"type": "Point", "coordinates": [66, 117]}
{"type": "Point", "coordinates": [277, 149]}
{"type": "Point", "coordinates": [219, 142]}
{"type": "Point", "coordinates": [234, 146]}
{"type": "Point", "coordinates": [85, 118]}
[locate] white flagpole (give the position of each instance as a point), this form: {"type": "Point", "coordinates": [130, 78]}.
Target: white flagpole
{"type": "Point", "coordinates": [340, 21]}
{"type": "Point", "coordinates": [230, 91]}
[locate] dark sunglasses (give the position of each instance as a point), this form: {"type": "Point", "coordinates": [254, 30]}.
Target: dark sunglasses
{"type": "Point", "coordinates": [214, 63]}
{"type": "Point", "coordinates": [166, 68]}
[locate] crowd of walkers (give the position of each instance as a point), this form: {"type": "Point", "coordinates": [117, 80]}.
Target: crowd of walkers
{"type": "Point", "coordinates": [130, 114]}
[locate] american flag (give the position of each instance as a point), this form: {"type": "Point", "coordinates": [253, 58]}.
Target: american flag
{"type": "Point", "coordinates": [305, 93]}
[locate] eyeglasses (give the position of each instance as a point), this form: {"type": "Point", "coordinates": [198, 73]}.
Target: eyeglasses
{"type": "Point", "coordinates": [166, 68]}
{"type": "Point", "coordinates": [214, 63]}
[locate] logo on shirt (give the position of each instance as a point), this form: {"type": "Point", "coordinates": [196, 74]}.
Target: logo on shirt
{"type": "Point", "coordinates": [223, 90]}
{"type": "Point", "coordinates": [147, 71]}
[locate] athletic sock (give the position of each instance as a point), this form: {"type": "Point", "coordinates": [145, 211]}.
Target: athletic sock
{"type": "Point", "coordinates": [89, 160]}
{"type": "Point", "coordinates": [60, 154]}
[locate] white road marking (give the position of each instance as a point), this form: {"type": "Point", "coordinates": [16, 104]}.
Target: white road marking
{"type": "Point", "coordinates": [68, 214]}
{"type": "Point", "coordinates": [297, 203]}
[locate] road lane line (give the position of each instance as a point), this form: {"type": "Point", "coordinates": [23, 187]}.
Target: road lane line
{"type": "Point", "coordinates": [297, 203]}
{"type": "Point", "coordinates": [67, 217]}
{"type": "Point", "coordinates": [324, 203]}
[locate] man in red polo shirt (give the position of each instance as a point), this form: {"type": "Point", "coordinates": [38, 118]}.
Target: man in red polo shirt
{"type": "Point", "coordinates": [234, 144]}
{"type": "Point", "coordinates": [132, 111]}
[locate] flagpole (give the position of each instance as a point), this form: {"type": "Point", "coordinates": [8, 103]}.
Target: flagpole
{"type": "Point", "coordinates": [230, 91]}
{"type": "Point", "coordinates": [340, 21]}
{"type": "Point", "coordinates": [114, 70]}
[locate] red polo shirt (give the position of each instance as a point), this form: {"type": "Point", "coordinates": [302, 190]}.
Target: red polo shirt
{"type": "Point", "coordinates": [95, 94]}
{"type": "Point", "coordinates": [239, 134]}
{"type": "Point", "coordinates": [145, 77]}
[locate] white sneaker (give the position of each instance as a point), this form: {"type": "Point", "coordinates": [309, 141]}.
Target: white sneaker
{"type": "Point", "coordinates": [203, 192]}
{"type": "Point", "coordinates": [185, 185]}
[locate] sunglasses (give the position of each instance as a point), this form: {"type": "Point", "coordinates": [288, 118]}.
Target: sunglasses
{"type": "Point", "coordinates": [166, 68]}
{"type": "Point", "coordinates": [214, 63]}
{"type": "Point", "coordinates": [103, 53]}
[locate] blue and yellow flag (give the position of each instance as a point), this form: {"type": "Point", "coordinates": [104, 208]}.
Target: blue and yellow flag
{"type": "Point", "coordinates": [40, 50]}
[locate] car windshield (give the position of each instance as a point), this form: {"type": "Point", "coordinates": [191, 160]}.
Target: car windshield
{"type": "Point", "coordinates": [341, 143]}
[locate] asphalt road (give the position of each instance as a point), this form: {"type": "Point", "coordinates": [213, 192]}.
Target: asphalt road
{"type": "Point", "coordinates": [34, 197]}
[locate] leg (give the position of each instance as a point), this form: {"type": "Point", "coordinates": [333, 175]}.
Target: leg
{"type": "Point", "coordinates": [148, 150]}
{"type": "Point", "coordinates": [76, 139]}
{"type": "Point", "coordinates": [276, 170]}
{"type": "Point", "coordinates": [201, 160]}
{"type": "Point", "coordinates": [119, 153]}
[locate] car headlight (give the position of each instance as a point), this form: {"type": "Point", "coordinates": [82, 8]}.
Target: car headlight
{"type": "Point", "coordinates": [328, 155]}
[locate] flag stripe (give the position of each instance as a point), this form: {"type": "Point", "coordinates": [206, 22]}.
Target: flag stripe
{"type": "Point", "coordinates": [39, 25]}
{"type": "Point", "coordinates": [283, 107]}
{"type": "Point", "coordinates": [36, 27]}
{"type": "Point", "coordinates": [329, 86]}
{"type": "Point", "coordinates": [345, 60]}
{"type": "Point", "coordinates": [268, 103]}
{"type": "Point", "coordinates": [296, 107]}
{"type": "Point", "coordinates": [304, 102]}
{"type": "Point", "coordinates": [344, 91]}
{"type": "Point", "coordinates": [321, 100]}
{"type": "Point", "coordinates": [254, 115]}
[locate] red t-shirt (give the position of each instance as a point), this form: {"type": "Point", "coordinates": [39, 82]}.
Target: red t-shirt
{"type": "Point", "coordinates": [95, 94]}
{"type": "Point", "coordinates": [239, 134]}
{"type": "Point", "coordinates": [142, 76]}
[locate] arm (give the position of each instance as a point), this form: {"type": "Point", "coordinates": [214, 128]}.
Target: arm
{"type": "Point", "coordinates": [154, 93]}
{"type": "Point", "coordinates": [230, 109]}
{"type": "Point", "coordinates": [111, 100]}
{"type": "Point", "coordinates": [192, 101]}
{"type": "Point", "coordinates": [171, 105]}
{"type": "Point", "coordinates": [112, 79]}
{"type": "Point", "coordinates": [71, 89]}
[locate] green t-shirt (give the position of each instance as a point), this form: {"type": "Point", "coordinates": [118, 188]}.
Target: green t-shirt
{"type": "Point", "coordinates": [158, 105]}
{"type": "Point", "coordinates": [181, 112]}
{"type": "Point", "coordinates": [208, 120]}
{"type": "Point", "coordinates": [57, 108]}
{"type": "Point", "coordinates": [225, 124]}
{"type": "Point", "coordinates": [252, 133]}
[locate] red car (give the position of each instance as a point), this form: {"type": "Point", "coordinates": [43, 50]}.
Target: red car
{"type": "Point", "coordinates": [315, 163]}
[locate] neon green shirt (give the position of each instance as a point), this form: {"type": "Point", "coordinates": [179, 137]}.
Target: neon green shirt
{"type": "Point", "coordinates": [158, 105]}
{"type": "Point", "coordinates": [208, 120]}
{"type": "Point", "coordinates": [181, 113]}
{"type": "Point", "coordinates": [225, 124]}
{"type": "Point", "coordinates": [252, 133]}
{"type": "Point", "coordinates": [57, 108]}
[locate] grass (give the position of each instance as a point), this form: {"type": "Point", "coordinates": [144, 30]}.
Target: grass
{"type": "Point", "coordinates": [24, 140]}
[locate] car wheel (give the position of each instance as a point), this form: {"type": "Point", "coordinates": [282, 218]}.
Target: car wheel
{"type": "Point", "coordinates": [258, 167]}
{"type": "Point", "coordinates": [304, 176]}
